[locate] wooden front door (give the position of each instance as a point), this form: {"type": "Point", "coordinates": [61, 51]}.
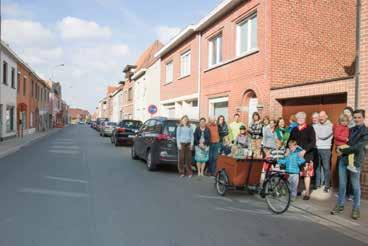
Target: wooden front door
{"type": "Point", "coordinates": [333, 104]}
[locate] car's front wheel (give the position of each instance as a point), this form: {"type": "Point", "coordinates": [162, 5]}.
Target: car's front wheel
{"type": "Point", "coordinates": [133, 154]}
{"type": "Point", "coordinates": [151, 166]}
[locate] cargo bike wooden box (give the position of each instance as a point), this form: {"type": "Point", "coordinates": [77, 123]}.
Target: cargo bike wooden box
{"type": "Point", "coordinates": [245, 174]}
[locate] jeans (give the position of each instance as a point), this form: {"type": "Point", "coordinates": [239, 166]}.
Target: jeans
{"type": "Point", "coordinates": [185, 159]}
{"type": "Point", "coordinates": [294, 182]}
{"type": "Point", "coordinates": [214, 151]}
{"type": "Point", "coordinates": [355, 181]}
{"type": "Point", "coordinates": [324, 161]}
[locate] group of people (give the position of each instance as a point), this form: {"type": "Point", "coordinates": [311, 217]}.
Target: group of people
{"type": "Point", "coordinates": [302, 150]}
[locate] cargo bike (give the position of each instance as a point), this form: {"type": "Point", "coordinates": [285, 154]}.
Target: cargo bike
{"type": "Point", "coordinates": [245, 175]}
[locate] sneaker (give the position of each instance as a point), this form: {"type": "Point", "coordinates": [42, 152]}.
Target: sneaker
{"type": "Point", "coordinates": [293, 199]}
{"type": "Point", "coordinates": [182, 175]}
{"type": "Point", "coordinates": [306, 198]}
{"type": "Point", "coordinates": [352, 169]}
{"type": "Point", "coordinates": [326, 190]}
{"type": "Point", "coordinates": [337, 210]}
{"type": "Point", "coordinates": [355, 214]}
{"type": "Point", "coordinates": [350, 198]}
{"type": "Point", "coordinates": [190, 176]}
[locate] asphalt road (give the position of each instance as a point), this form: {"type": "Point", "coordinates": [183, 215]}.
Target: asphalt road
{"type": "Point", "coordinates": [74, 188]}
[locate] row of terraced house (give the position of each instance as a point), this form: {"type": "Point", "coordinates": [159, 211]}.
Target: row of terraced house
{"type": "Point", "coordinates": [28, 103]}
{"type": "Point", "coordinates": [275, 57]}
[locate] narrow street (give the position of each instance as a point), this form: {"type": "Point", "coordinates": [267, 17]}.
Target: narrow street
{"type": "Point", "coordinates": [75, 188]}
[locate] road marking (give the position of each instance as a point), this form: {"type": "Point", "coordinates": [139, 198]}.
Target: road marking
{"type": "Point", "coordinates": [72, 147]}
{"type": "Point", "coordinates": [67, 179]}
{"type": "Point", "coordinates": [215, 197]}
{"type": "Point", "coordinates": [53, 192]}
{"type": "Point", "coordinates": [69, 152]}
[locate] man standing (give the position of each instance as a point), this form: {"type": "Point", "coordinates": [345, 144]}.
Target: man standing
{"type": "Point", "coordinates": [235, 127]}
{"type": "Point", "coordinates": [214, 146]}
{"type": "Point", "coordinates": [324, 135]}
{"type": "Point", "coordinates": [358, 141]}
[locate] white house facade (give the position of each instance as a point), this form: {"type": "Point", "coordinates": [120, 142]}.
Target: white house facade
{"type": "Point", "coordinates": [117, 105]}
{"type": "Point", "coordinates": [8, 92]}
{"type": "Point", "coordinates": [146, 90]}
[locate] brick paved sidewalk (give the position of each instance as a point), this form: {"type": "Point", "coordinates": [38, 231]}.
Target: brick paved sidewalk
{"type": "Point", "coordinates": [15, 144]}
{"type": "Point", "coordinates": [322, 203]}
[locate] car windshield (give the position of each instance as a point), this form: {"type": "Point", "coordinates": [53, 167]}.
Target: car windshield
{"type": "Point", "coordinates": [111, 124]}
{"type": "Point", "coordinates": [130, 124]}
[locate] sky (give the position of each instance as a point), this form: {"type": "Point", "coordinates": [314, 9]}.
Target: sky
{"type": "Point", "coordinates": [94, 39]}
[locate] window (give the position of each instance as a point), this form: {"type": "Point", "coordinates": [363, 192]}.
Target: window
{"type": "Point", "coordinates": [130, 94]}
{"type": "Point", "coordinates": [219, 106]}
{"type": "Point", "coordinates": [9, 117]}
{"type": "Point", "coordinates": [31, 120]}
{"type": "Point", "coordinates": [13, 77]}
{"type": "Point", "coordinates": [185, 64]}
{"type": "Point", "coordinates": [32, 88]}
{"type": "Point", "coordinates": [169, 72]}
{"type": "Point", "coordinates": [246, 33]}
{"type": "Point", "coordinates": [215, 51]}
{"type": "Point", "coordinates": [24, 86]}
{"type": "Point", "coordinates": [5, 73]}
{"type": "Point", "coordinates": [18, 83]}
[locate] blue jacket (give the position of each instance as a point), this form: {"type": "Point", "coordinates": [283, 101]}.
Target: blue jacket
{"type": "Point", "coordinates": [292, 162]}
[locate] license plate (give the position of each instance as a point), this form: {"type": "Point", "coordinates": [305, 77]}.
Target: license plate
{"type": "Point", "coordinates": [131, 136]}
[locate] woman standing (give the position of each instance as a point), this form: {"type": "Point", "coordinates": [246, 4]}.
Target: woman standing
{"type": "Point", "coordinates": [255, 131]}
{"type": "Point", "coordinates": [305, 137]}
{"type": "Point", "coordinates": [223, 130]}
{"type": "Point", "coordinates": [201, 145]}
{"type": "Point", "coordinates": [184, 139]}
{"type": "Point", "coordinates": [269, 139]}
{"type": "Point", "coordinates": [349, 112]}
{"type": "Point", "coordinates": [282, 132]}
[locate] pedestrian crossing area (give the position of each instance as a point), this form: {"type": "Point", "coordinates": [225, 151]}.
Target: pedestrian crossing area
{"type": "Point", "coordinates": [64, 146]}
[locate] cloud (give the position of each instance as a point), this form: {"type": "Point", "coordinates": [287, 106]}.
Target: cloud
{"type": "Point", "coordinates": [12, 10]}
{"type": "Point", "coordinates": [24, 32]}
{"type": "Point", "coordinates": [42, 56]}
{"type": "Point", "coordinates": [72, 28]}
{"type": "Point", "coordinates": [165, 33]}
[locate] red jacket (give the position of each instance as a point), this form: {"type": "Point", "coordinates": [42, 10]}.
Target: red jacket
{"type": "Point", "coordinates": [341, 134]}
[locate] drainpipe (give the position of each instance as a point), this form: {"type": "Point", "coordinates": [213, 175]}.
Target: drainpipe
{"type": "Point", "coordinates": [357, 44]}
{"type": "Point", "coordinates": [199, 35]}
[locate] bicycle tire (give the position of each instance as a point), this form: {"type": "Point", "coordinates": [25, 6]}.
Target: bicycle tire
{"type": "Point", "coordinates": [221, 183]}
{"type": "Point", "coordinates": [275, 188]}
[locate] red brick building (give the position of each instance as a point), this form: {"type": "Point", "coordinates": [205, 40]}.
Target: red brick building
{"type": "Point", "coordinates": [363, 79]}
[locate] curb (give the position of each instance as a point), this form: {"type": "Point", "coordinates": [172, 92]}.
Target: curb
{"type": "Point", "coordinates": [22, 145]}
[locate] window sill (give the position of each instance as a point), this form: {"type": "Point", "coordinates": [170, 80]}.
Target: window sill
{"type": "Point", "coordinates": [183, 77]}
{"type": "Point", "coordinates": [232, 60]}
{"type": "Point", "coordinates": [167, 83]}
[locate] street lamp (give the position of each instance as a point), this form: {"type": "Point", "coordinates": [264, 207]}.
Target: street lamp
{"type": "Point", "coordinates": [54, 68]}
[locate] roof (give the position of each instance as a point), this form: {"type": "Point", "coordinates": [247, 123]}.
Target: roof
{"type": "Point", "coordinates": [206, 21]}
{"type": "Point", "coordinates": [111, 89]}
{"type": "Point", "coordinates": [147, 58]}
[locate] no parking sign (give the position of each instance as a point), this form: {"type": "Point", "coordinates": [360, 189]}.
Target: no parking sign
{"type": "Point", "coordinates": [152, 109]}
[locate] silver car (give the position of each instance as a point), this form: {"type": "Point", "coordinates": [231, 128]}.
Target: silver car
{"type": "Point", "coordinates": [107, 128]}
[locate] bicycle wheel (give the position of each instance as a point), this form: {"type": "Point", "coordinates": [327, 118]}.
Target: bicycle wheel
{"type": "Point", "coordinates": [277, 194]}
{"type": "Point", "coordinates": [221, 183]}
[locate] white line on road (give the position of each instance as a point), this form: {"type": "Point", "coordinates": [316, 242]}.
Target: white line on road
{"type": "Point", "coordinates": [67, 179]}
{"type": "Point", "coordinates": [68, 152]}
{"type": "Point", "coordinates": [72, 147]}
{"type": "Point", "coordinates": [215, 197]}
{"type": "Point", "coordinates": [53, 192]}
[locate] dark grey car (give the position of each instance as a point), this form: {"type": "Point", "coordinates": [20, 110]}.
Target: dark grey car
{"type": "Point", "coordinates": [155, 142]}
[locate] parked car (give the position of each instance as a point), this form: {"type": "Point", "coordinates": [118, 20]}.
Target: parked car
{"type": "Point", "coordinates": [155, 142]}
{"type": "Point", "coordinates": [106, 128]}
{"type": "Point", "coordinates": [93, 124]}
{"type": "Point", "coordinates": [99, 123]}
{"type": "Point", "coordinates": [125, 132]}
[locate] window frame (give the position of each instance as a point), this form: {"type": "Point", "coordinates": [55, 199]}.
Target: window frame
{"type": "Point", "coordinates": [216, 40]}
{"type": "Point", "coordinates": [171, 63]}
{"type": "Point", "coordinates": [185, 65]}
{"type": "Point", "coordinates": [247, 21]}
{"type": "Point", "coordinates": [12, 75]}
{"type": "Point", "coordinates": [5, 73]}
{"type": "Point", "coordinates": [24, 86]}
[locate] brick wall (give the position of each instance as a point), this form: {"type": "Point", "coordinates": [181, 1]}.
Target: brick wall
{"type": "Point", "coordinates": [311, 40]}
{"type": "Point", "coordinates": [180, 86]}
{"type": "Point", "coordinates": [237, 77]}
{"type": "Point", "coordinates": [363, 87]}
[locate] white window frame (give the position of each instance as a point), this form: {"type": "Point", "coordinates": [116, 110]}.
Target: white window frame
{"type": "Point", "coordinates": [247, 21]}
{"type": "Point", "coordinates": [211, 104]}
{"type": "Point", "coordinates": [185, 63]}
{"type": "Point", "coordinates": [169, 79]}
{"type": "Point", "coordinates": [218, 49]}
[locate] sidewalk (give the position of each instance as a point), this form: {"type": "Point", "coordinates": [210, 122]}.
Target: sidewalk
{"type": "Point", "coordinates": [13, 145]}
{"type": "Point", "coordinates": [320, 206]}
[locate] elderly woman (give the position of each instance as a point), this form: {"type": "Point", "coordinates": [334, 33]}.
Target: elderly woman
{"type": "Point", "coordinates": [305, 137]}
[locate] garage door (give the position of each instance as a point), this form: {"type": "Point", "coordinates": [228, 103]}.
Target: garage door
{"type": "Point", "coordinates": [332, 104]}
